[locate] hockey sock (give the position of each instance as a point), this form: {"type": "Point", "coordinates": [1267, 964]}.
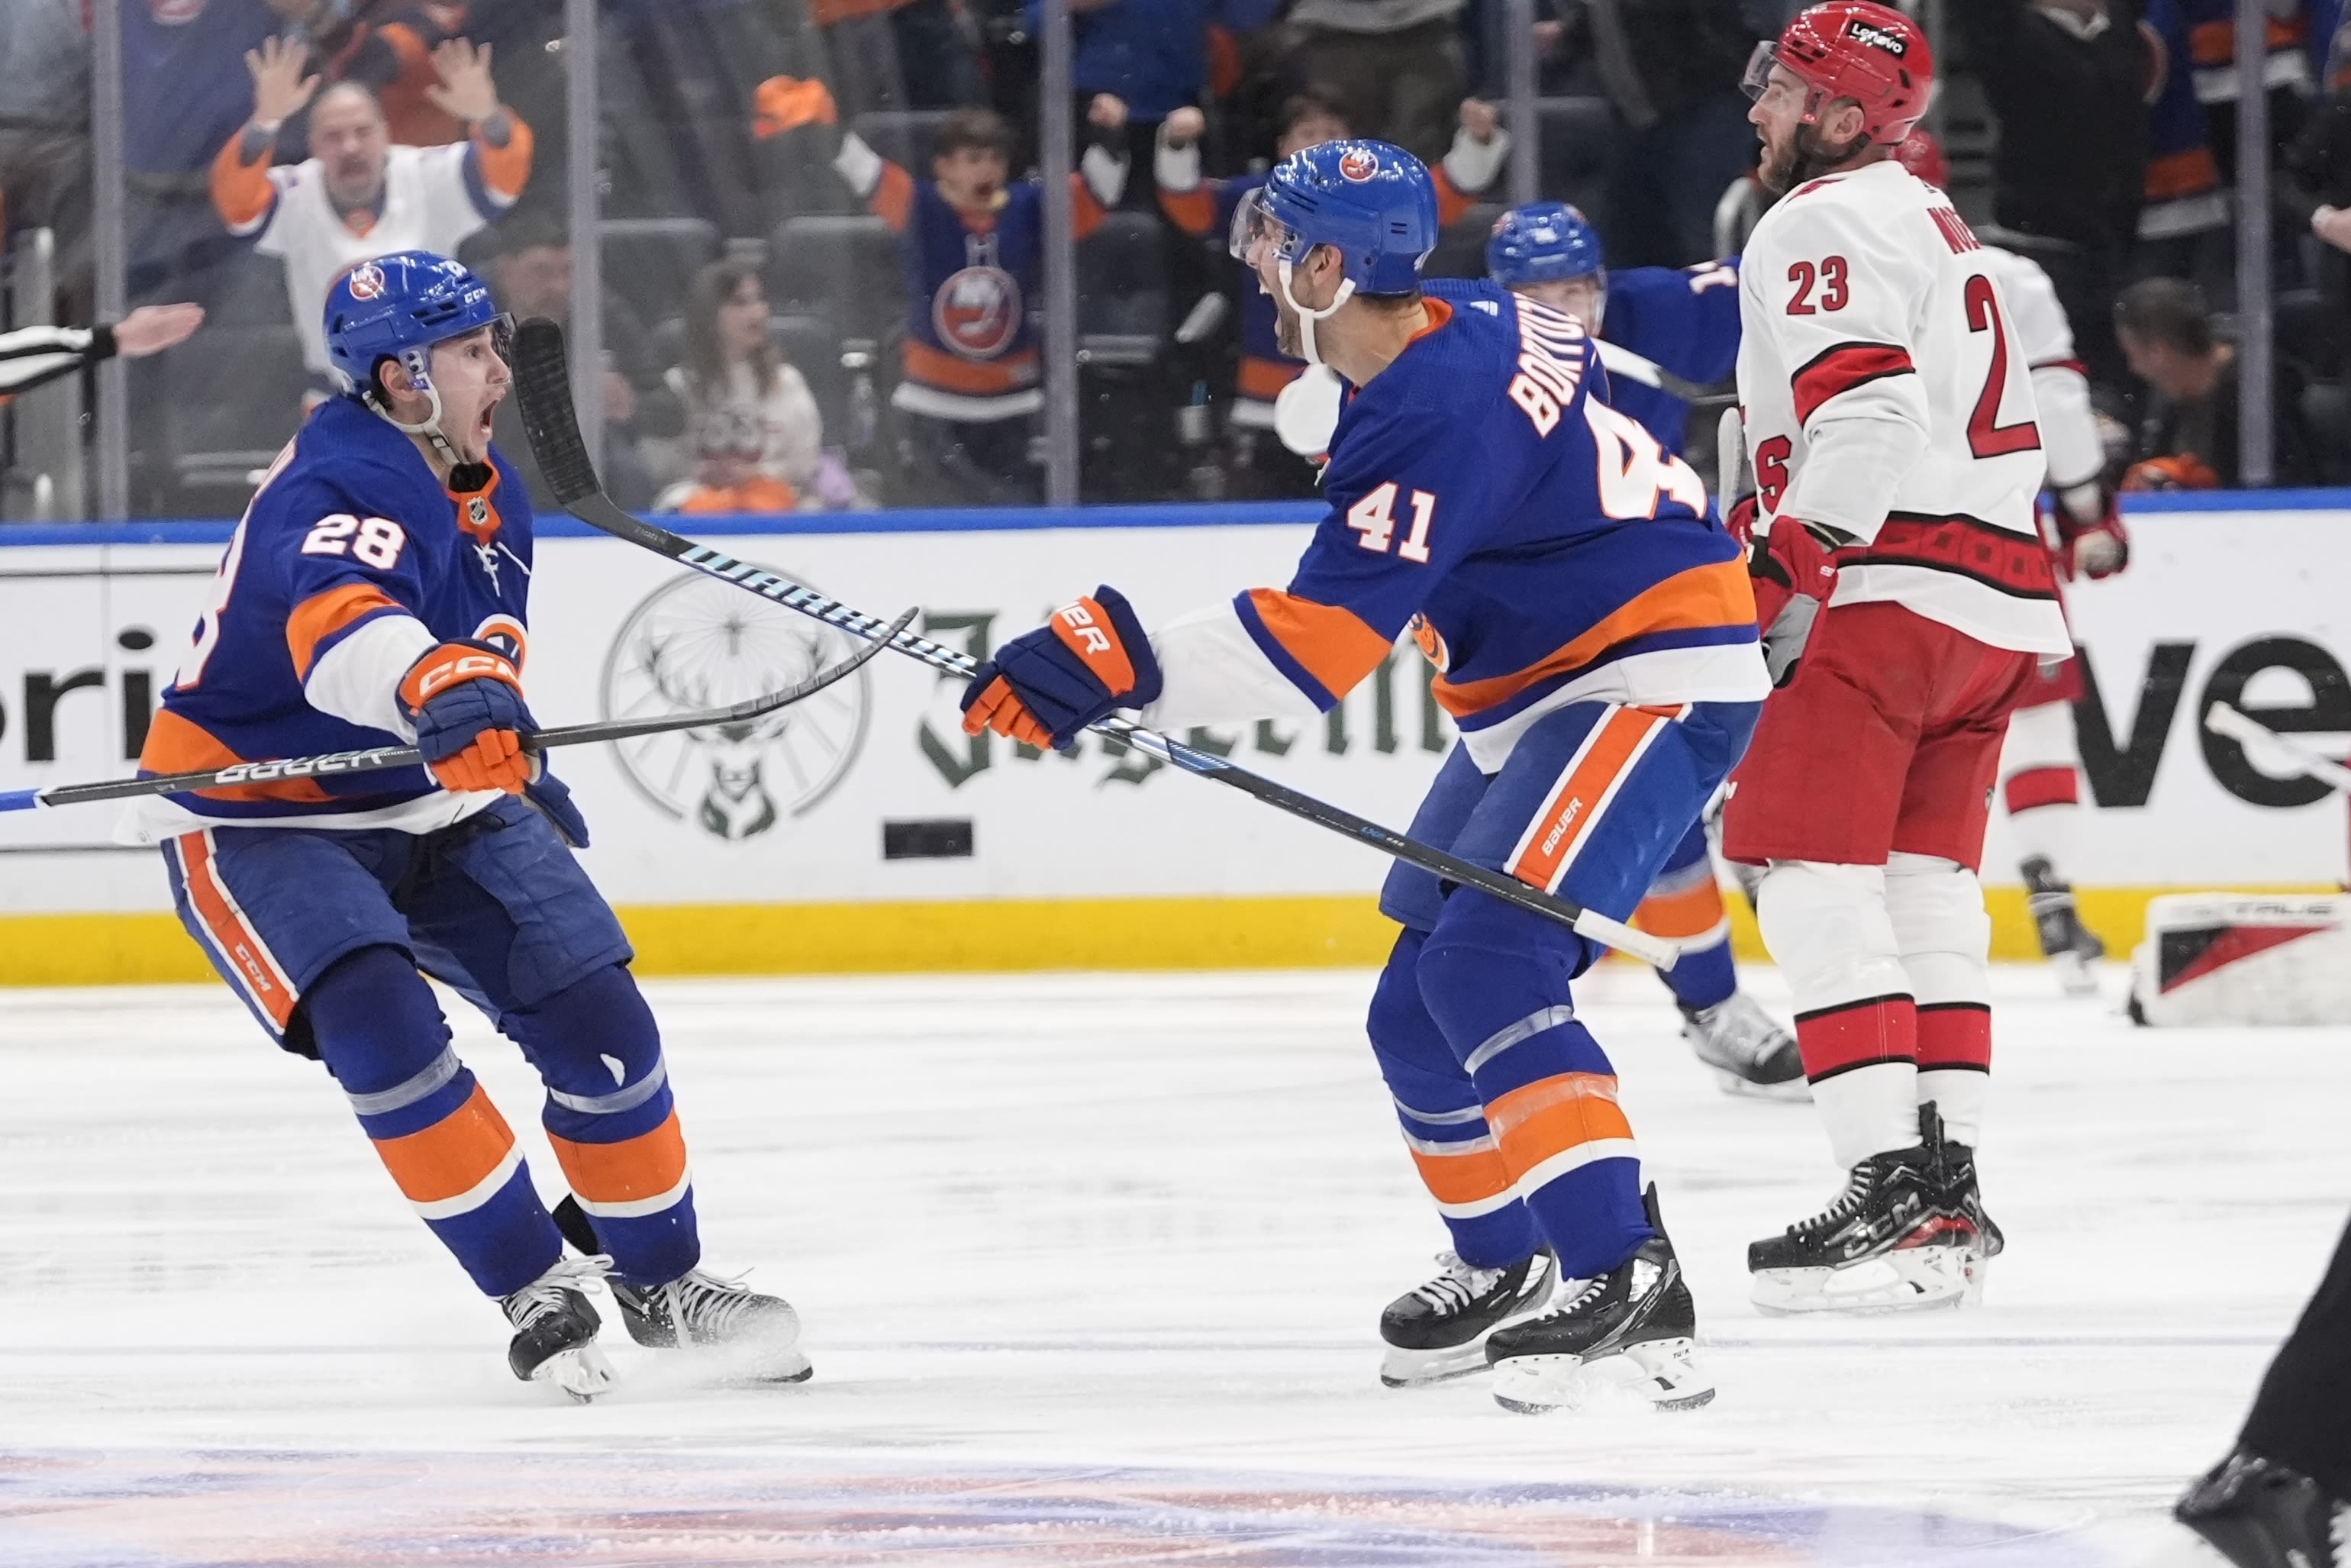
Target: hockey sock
{"type": "Point", "coordinates": [2040, 783]}
{"type": "Point", "coordinates": [1684, 905]}
{"type": "Point", "coordinates": [1937, 910]}
{"type": "Point", "coordinates": [381, 1035]}
{"type": "Point", "coordinates": [611, 1121]}
{"type": "Point", "coordinates": [1496, 981]}
{"type": "Point", "coordinates": [1444, 1122]}
{"type": "Point", "coordinates": [1856, 1023]}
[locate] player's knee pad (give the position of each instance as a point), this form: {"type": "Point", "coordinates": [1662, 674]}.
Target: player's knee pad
{"type": "Point", "coordinates": [1496, 980]}
{"type": "Point", "coordinates": [374, 1021]}
{"type": "Point", "coordinates": [1828, 930]}
{"type": "Point", "coordinates": [1419, 1067]}
{"type": "Point", "coordinates": [599, 1051]}
{"type": "Point", "coordinates": [1940, 927]}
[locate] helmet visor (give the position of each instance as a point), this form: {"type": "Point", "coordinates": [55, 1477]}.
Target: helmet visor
{"type": "Point", "coordinates": [1790, 92]}
{"type": "Point", "coordinates": [1256, 235]}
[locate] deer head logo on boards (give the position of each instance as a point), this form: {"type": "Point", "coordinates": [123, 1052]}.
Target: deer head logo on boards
{"type": "Point", "coordinates": [698, 643]}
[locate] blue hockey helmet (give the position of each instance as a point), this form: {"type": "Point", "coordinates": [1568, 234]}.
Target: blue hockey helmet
{"type": "Point", "coordinates": [1375, 203]}
{"type": "Point", "coordinates": [1543, 242]}
{"type": "Point", "coordinates": [397, 307]}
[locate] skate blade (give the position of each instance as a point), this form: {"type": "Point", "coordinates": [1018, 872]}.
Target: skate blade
{"type": "Point", "coordinates": [1657, 1374]}
{"type": "Point", "coordinates": [1794, 1092]}
{"type": "Point", "coordinates": [1913, 1279]}
{"type": "Point", "coordinates": [2076, 976]}
{"type": "Point", "coordinates": [1426, 1368]}
{"type": "Point", "coordinates": [580, 1372]}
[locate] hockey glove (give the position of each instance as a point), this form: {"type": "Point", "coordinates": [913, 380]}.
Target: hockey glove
{"type": "Point", "coordinates": [1044, 686]}
{"type": "Point", "coordinates": [2090, 528]}
{"type": "Point", "coordinates": [1792, 574]}
{"type": "Point", "coordinates": [465, 701]}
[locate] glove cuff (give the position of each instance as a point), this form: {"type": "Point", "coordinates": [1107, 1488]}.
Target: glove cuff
{"type": "Point", "coordinates": [451, 664]}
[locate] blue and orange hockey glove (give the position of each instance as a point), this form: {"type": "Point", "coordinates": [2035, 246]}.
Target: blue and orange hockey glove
{"type": "Point", "coordinates": [1044, 686]}
{"type": "Point", "coordinates": [466, 700]}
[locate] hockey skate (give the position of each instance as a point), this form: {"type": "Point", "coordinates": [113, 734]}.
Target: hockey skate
{"type": "Point", "coordinates": [701, 1311]}
{"type": "Point", "coordinates": [555, 1329]}
{"type": "Point", "coordinates": [1971, 1231]}
{"type": "Point", "coordinates": [2070, 948]}
{"type": "Point", "coordinates": [1885, 1245]}
{"type": "Point", "coordinates": [1622, 1338]}
{"type": "Point", "coordinates": [1439, 1331]}
{"type": "Point", "coordinates": [1749, 1051]}
{"type": "Point", "coordinates": [2260, 1514]}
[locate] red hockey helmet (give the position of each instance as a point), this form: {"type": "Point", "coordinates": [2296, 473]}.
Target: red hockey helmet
{"type": "Point", "coordinates": [1923, 156]}
{"type": "Point", "coordinates": [1870, 53]}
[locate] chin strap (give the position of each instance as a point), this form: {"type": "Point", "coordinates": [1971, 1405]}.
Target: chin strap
{"type": "Point", "coordinates": [1306, 318]}
{"type": "Point", "coordinates": [430, 426]}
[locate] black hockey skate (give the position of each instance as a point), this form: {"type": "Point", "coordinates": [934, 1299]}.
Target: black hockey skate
{"type": "Point", "coordinates": [1885, 1245]}
{"type": "Point", "coordinates": [1623, 1337]}
{"type": "Point", "coordinates": [2072, 948]}
{"type": "Point", "coordinates": [701, 1311]}
{"type": "Point", "coordinates": [2259, 1514]}
{"type": "Point", "coordinates": [1747, 1049]}
{"type": "Point", "coordinates": [554, 1330]}
{"type": "Point", "coordinates": [1438, 1330]}
{"type": "Point", "coordinates": [1971, 1229]}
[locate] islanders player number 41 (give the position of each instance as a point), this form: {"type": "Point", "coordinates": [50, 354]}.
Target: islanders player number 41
{"type": "Point", "coordinates": [376, 594]}
{"type": "Point", "coordinates": [1597, 637]}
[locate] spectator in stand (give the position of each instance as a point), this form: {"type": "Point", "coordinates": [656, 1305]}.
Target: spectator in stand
{"type": "Point", "coordinates": [178, 107]}
{"type": "Point", "coordinates": [43, 118]}
{"type": "Point", "coordinates": [2212, 53]}
{"type": "Point", "coordinates": [2182, 225]}
{"type": "Point", "coordinates": [1204, 208]}
{"type": "Point", "coordinates": [898, 54]}
{"type": "Point", "coordinates": [1396, 66]}
{"type": "Point", "coordinates": [358, 195]}
{"type": "Point", "coordinates": [1135, 62]}
{"type": "Point", "coordinates": [386, 45]}
{"type": "Point", "coordinates": [2189, 439]}
{"type": "Point", "coordinates": [1672, 71]}
{"type": "Point", "coordinates": [2067, 80]}
{"type": "Point", "coordinates": [532, 274]}
{"type": "Point", "coordinates": [971, 238]}
{"type": "Point", "coordinates": [757, 436]}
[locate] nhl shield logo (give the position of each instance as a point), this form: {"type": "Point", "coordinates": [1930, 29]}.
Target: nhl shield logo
{"type": "Point", "coordinates": [367, 281]}
{"type": "Point", "coordinates": [1359, 164]}
{"type": "Point", "coordinates": [978, 312]}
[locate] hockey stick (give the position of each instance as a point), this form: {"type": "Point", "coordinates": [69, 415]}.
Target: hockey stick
{"type": "Point", "coordinates": [2245, 730]}
{"type": "Point", "coordinates": [376, 758]}
{"type": "Point", "coordinates": [542, 388]}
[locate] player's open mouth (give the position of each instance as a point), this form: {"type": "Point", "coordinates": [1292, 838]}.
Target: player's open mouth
{"type": "Point", "coordinates": [488, 417]}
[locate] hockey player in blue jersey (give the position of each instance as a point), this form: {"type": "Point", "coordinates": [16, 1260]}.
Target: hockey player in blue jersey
{"type": "Point", "coordinates": [1685, 324]}
{"type": "Point", "coordinates": [1596, 634]}
{"type": "Point", "coordinates": [375, 595]}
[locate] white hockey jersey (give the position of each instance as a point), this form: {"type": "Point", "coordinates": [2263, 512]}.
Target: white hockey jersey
{"type": "Point", "coordinates": [2061, 386]}
{"type": "Point", "coordinates": [1887, 395]}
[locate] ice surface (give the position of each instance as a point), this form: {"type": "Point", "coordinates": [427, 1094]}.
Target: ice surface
{"type": "Point", "coordinates": [1089, 1268]}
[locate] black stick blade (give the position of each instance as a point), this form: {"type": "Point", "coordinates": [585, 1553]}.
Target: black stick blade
{"type": "Point", "coordinates": [543, 388]}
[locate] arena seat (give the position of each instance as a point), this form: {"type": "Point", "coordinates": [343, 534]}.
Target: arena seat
{"type": "Point", "coordinates": [844, 268]}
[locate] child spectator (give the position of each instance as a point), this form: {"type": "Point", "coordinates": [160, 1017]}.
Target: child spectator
{"type": "Point", "coordinates": [972, 239]}
{"type": "Point", "coordinates": [358, 195]}
{"type": "Point", "coordinates": [758, 438]}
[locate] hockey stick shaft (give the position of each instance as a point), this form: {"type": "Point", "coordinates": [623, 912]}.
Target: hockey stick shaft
{"type": "Point", "coordinates": [375, 759]}
{"type": "Point", "coordinates": [2244, 729]}
{"type": "Point", "coordinates": [542, 387]}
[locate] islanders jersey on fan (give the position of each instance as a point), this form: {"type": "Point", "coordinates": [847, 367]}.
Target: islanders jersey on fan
{"type": "Point", "coordinates": [1539, 544]}
{"type": "Point", "coordinates": [1685, 323]}
{"type": "Point", "coordinates": [970, 352]}
{"type": "Point", "coordinates": [351, 562]}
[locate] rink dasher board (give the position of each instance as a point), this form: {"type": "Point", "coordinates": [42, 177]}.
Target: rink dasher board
{"type": "Point", "coordinates": [827, 839]}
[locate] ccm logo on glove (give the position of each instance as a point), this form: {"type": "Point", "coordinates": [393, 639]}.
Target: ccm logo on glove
{"type": "Point", "coordinates": [466, 700]}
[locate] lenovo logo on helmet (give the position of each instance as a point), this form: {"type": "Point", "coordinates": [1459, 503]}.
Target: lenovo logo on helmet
{"type": "Point", "coordinates": [1876, 38]}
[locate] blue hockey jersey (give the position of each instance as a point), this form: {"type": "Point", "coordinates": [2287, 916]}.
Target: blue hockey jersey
{"type": "Point", "coordinates": [1685, 323]}
{"type": "Point", "coordinates": [1540, 545]}
{"type": "Point", "coordinates": [352, 561]}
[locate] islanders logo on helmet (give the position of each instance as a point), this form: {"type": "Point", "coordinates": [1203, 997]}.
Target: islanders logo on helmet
{"type": "Point", "coordinates": [1542, 242]}
{"type": "Point", "coordinates": [1359, 164]}
{"type": "Point", "coordinates": [396, 307]}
